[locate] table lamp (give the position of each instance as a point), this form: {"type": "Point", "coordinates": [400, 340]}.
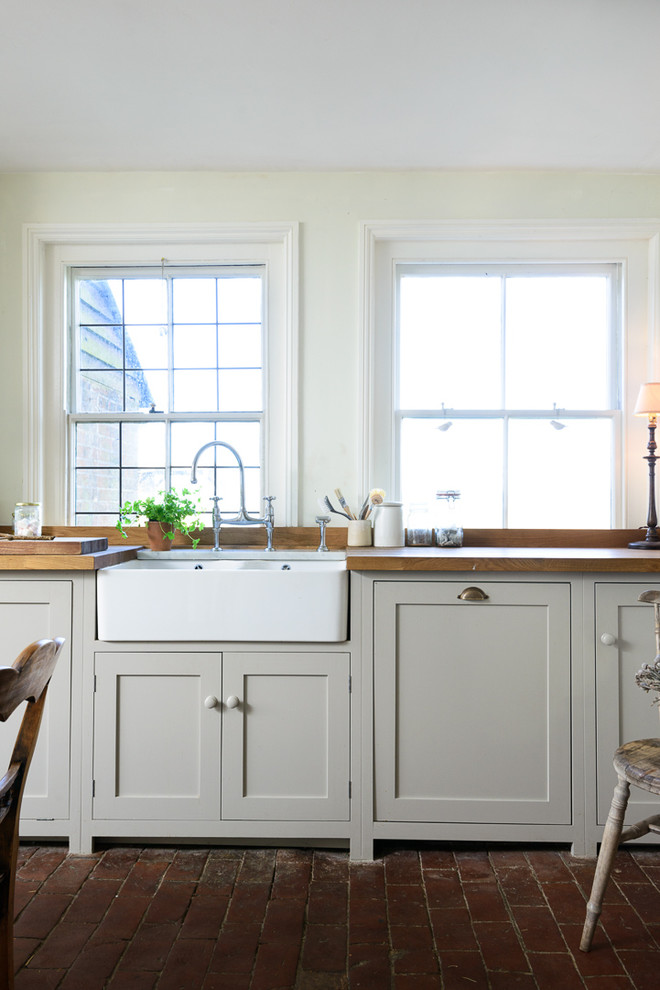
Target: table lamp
{"type": "Point", "coordinates": [648, 404]}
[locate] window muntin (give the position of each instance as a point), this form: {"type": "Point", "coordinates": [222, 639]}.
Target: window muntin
{"type": "Point", "coordinates": [163, 362]}
{"type": "Point", "coordinates": [519, 360]}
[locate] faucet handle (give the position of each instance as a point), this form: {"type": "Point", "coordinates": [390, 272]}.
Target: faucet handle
{"type": "Point", "coordinates": [269, 499]}
{"type": "Point", "coordinates": [322, 522]}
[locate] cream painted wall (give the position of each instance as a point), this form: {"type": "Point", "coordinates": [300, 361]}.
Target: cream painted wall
{"type": "Point", "coordinates": [329, 207]}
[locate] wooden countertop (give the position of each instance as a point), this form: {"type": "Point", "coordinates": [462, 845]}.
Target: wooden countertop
{"type": "Point", "coordinates": [514, 559]}
{"type": "Point", "coordinates": [68, 562]}
{"type": "Point", "coordinates": [486, 550]}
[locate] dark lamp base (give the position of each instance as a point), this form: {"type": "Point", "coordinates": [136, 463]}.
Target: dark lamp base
{"type": "Point", "coordinates": [645, 545]}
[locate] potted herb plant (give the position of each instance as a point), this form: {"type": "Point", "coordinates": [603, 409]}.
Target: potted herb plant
{"type": "Point", "coordinates": [163, 513]}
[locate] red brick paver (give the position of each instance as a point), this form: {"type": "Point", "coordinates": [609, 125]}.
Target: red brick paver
{"type": "Point", "coordinates": [296, 919]}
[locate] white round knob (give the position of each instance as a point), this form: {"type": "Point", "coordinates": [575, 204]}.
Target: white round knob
{"type": "Point", "coordinates": [232, 701]}
{"type": "Point", "coordinates": [607, 639]}
{"type": "Point", "coordinates": [211, 701]}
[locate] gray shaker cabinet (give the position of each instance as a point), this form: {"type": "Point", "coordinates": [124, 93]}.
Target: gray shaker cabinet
{"type": "Point", "coordinates": [32, 610]}
{"type": "Point", "coordinates": [209, 737]}
{"type": "Point", "coordinates": [625, 640]}
{"type": "Point", "coordinates": [472, 703]}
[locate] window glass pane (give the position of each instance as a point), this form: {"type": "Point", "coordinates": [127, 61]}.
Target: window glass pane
{"type": "Point", "coordinates": [240, 391]}
{"type": "Point", "coordinates": [255, 505]}
{"type": "Point", "coordinates": [137, 483]}
{"type": "Point", "coordinates": [227, 486]}
{"type": "Point", "coordinates": [101, 347]}
{"type": "Point", "coordinates": [193, 300]}
{"type": "Point", "coordinates": [434, 459]}
{"type": "Point", "coordinates": [100, 391]}
{"type": "Point", "coordinates": [560, 474]}
{"type": "Point", "coordinates": [239, 346]}
{"type": "Point", "coordinates": [449, 342]}
{"type": "Point", "coordinates": [97, 490]}
{"type": "Point", "coordinates": [146, 347]}
{"type": "Point", "coordinates": [146, 388]}
{"type": "Point", "coordinates": [557, 342]}
{"type": "Point", "coordinates": [186, 440]}
{"type": "Point", "coordinates": [143, 444]}
{"type": "Point", "coordinates": [100, 300]}
{"type": "Point", "coordinates": [195, 346]}
{"type": "Point", "coordinates": [97, 444]}
{"type": "Point", "coordinates": [239, 299]}
{"type": "Point", "coordinates": [145, 300]}
{"type": "Point", "coordinates": [195, 391]}
{"type": "Point", "coordinates": [244, 438]}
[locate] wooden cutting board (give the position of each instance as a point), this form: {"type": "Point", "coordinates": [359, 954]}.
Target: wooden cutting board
{"type": "Point", "coordinates": [57, 545]}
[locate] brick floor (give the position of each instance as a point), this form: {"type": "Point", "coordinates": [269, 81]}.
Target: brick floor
{"type": "Point", "coordinates": [296, 919]}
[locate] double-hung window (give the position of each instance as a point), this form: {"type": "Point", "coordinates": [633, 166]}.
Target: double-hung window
{"type": "Point", "coordinates": [165, 361]}
{"type": "Point", "coordinates": [505, 391]}
{"type": "Point", "coordinates": [143, 344]}
{"type": "Point", "coordinates": [503, 360]}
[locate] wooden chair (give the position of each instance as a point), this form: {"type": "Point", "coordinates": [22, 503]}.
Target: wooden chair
{"type": "Point", "coordinates": [635, 763]}
{"type": "Point", "coordinates": [27, 680]}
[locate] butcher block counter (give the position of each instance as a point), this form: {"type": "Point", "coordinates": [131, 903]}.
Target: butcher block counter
{"type": "Point", "coordinates": [518, 550]}
{"type": "Point", "coordinates": [564, 559]}
{"type": "Point", "coordinates": [61, 553]}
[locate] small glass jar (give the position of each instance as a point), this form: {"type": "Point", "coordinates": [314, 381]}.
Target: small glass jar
{"type": "Point", "coordinates": [419, 528]}
{"type": "Point", "coordinates": [27, 520]}
{"type": "Point", "coordinates": [448, 531]}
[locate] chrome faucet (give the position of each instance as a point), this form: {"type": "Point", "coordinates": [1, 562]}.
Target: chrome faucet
{"type": "Point", "coordinates": [242, 518]}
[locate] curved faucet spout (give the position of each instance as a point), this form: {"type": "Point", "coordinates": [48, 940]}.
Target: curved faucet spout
{"type": "Point", "coordinates": [221, 443]}
{"type": "Point", "coordinates": [242, 518]}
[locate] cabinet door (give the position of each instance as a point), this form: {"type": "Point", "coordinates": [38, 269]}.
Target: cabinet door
{"type": "Point", "coordinates": [156, 743]}
{"type": "Point", "coordinates": [31, 610]}
{"type": "Point", "coordinates": [623, 711]}
{"type": "Point", "coordinates": [286, 743]}
{"type": "Point", "coordinates": [472, 703]}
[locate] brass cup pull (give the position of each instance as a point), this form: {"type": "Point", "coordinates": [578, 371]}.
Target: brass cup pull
{"type": "Point", "coordinates": [473, 595]}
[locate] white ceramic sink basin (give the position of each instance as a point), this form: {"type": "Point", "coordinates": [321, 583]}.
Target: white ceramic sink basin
{"type": "Point", "coordinates": [251, 597]}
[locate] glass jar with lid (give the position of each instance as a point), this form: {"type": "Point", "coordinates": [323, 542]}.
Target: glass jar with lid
{"type": "Point", "coordinates": [448, 531]}
{"type": "Point", "coordinates": [419, 526]}
{"type": "Point", "coordinates": [27, 520]}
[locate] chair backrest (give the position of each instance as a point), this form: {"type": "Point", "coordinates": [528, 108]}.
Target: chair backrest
{"type": "Point", "coordinates": [30, 673]}
{"type": "Point", "coordinates": [653, 598]}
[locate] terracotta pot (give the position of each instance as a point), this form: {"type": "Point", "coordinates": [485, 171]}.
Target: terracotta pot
{"type": "Point", "coordinates": [156, 536]}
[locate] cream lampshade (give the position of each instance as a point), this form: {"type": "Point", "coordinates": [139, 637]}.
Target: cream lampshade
{"type": "Point", "coordinates": [648, 400]}
{"type": "Point", "coordinates": [648, 404]}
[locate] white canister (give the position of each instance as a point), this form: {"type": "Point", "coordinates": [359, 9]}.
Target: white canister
{"type": "Point", "coordinates": [359, 533]}
{"type": "Point", "coordinates": [388, 525]}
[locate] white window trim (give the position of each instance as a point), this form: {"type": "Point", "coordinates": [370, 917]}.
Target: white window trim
{"type": "Point", "coordinates": [49, 250]}
{"type": "Point", "coordinates": [635, 245]}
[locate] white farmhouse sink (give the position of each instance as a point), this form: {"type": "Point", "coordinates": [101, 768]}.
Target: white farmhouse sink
{"type": "Point", "coordinates": [253, 597]}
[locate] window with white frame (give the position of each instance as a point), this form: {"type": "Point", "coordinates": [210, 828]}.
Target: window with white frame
{"type": "Point", "coordinates": [144, 343]}
{"type": "Point", "coordinates": [505, 391]}
{"type": "Point", "coordinates": [165, 361]}
{"type": "Point", "coordinates": [503, 360]}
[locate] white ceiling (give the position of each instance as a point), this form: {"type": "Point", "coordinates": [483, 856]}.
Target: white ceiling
{"type": "Point", "coordinates": [338, 84]}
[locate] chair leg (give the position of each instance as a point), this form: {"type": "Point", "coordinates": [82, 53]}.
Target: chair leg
{"type": "Point", "coordinates": [608, 848]}
{"type": "Point", "coordinates": [7, 932]}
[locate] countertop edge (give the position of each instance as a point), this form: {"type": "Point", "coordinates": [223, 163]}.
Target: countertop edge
{"type": "Point", "coordinates": [551, 559]}
{"type": "Point", "coordinates": [68, 562]}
